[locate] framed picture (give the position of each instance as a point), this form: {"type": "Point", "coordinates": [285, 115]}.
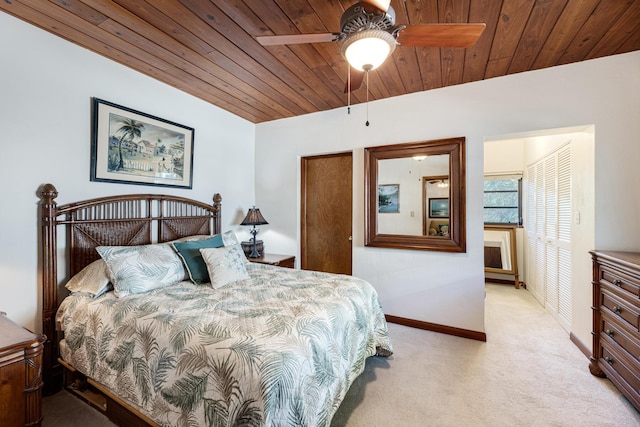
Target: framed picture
{"type": "Point", "coordinates": [388, 198]}
{"type": "Point", "coordinates": [438, 207]}
{"type": "Point", "coordinates": [131, 147]}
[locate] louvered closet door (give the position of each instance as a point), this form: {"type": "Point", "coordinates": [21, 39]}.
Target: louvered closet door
{"type": "Point", "coordinates": [531, 240]}
{"type": "Point", "coordinates": [539, 276]}
{"type": "Point", "coordinates": [550, 238]}
{"type": "Point", "coordinates": [549, 233]}
{"type": "Point", "coordinates": [564, 237]}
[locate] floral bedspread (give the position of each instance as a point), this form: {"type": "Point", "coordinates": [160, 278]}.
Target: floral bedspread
{"type": "Point", "coordinates": [278, 349]}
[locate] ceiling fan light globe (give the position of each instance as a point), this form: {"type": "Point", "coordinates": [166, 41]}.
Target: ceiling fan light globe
{"type": "Point", "coordinates": [368, 49]}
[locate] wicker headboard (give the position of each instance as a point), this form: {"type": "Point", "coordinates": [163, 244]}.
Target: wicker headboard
{"type": "Point", "coordinates": [126, 220]}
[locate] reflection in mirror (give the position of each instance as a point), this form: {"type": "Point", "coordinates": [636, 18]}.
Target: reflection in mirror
{"type": "Point", "coordinates": [400, 192]}
{"type": "Point", "coordinates": [413, 188]}
{"type": "Point", "coordinates": [435, 202]}
{"type": "Point", "coordinates": [500, 255]}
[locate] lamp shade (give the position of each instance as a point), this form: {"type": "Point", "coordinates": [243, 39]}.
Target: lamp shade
{"type": "Point", "coordinates": [367, 49]}
{"type": "Point", "coordinates": [254, 217]}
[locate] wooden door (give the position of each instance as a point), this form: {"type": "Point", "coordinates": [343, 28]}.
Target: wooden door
{"type": "Point", "coordinates": [326, 213]}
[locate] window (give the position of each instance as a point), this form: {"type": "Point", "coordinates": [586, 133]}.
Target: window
{"type": "Point", "coordinates": [502, 201]}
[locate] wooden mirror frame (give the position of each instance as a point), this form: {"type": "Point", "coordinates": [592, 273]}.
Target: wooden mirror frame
{"type": "Point", "coordinates": [456, 241]}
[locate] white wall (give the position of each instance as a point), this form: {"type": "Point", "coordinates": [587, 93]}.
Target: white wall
{"type": "Point", "coordinates": [46, 87]}
{"type": "Point", "coordinates": [503, 156]}
{"type": "Point", "coordinates": [448, 288]}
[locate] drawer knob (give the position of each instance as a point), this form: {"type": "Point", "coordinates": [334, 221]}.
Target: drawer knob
{"type": "Point", "coordinates": [617, 282]}
{"type": "Point", "coordinates": [610, 333]}
{"type": "Point", "coordinates": [617, 309]}
{"type": "Point", "coordinates": [609, 360]}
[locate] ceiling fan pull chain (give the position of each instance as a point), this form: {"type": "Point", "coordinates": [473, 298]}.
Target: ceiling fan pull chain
{"type": "Point", "coordinates": [367, 122]}
{"type": "Point", "coordinates": [349, 89]}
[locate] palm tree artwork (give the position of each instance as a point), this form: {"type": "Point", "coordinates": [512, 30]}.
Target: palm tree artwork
{"type": "Point", "coordinates": [129, 130]}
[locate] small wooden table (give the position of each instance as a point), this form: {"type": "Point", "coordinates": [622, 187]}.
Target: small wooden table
{"type": "Point", "coordinates": [20, 375]}
{"type": "Point", "coordinates": [287, 261]}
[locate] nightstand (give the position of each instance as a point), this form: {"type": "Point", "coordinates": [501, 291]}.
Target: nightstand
{"type": "Point", "coordinates": [287, 261]}
{"type": "Point", "coordinates": [20, 375]}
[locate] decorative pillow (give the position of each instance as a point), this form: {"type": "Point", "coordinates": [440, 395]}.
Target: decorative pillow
{"type": "Point", "coordinates": [190, 253]}
{"type": "Point", "coordinates": [93, 280]}
{"type": "Point", "coordinates": [138, 269]}
{"type": "Point", "coordinates": [193, 238]}
{"type": "Point", "coordinates": [229, 238]}
{"type": "Point", "coordinates": [225, 265]}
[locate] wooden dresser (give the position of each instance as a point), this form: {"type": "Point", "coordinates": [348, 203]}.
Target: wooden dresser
{"type": "Point", "coordinates": [616, 321]}
{"type": "Point", "coordinates": [20, 375]}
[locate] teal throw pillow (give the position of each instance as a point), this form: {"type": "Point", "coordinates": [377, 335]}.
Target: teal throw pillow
{"type": "Point", "coordinates": [192, 258]}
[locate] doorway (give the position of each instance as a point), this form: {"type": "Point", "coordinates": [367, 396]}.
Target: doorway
{"type": "Point", "coordinates": [326, 212]}
{"type": "Point", "coordinates": [558, 202]}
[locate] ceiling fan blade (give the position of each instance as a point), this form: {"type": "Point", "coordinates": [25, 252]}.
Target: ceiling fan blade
{"type": "Point", "coordinates": [297, 39]}
{"type": "Point", "coordinates": [441, 35]}
{"type": "Point", "coordinates": [356, 80]}
{"type": "Point", "coordinates": [382, 5]}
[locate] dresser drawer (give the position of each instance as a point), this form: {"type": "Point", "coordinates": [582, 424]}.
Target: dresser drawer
{"type": "Point", "coordinates": [626, 284]}
{"type": "Point", "coordinates": [611, 330]}
{"type": "Point", "coordinates": [620, 309]}
{"type": "Point", "coordinates": [612, 361]}
{"type": "Point", "coordinates": [616, 320]}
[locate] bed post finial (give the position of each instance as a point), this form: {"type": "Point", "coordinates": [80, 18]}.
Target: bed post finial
{"type": "Point", "coordinates": [217, 202]}
{"type": "Point", "coordinates": [48, 192]}
{"type": "Point", "coordinates": [52, 374]}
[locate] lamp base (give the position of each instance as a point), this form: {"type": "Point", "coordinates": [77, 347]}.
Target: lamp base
{"type": "Point", "coordinates": [247, 247]}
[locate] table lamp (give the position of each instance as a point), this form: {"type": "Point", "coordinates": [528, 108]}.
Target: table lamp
{"type": "Point", "coordinates": [254, 217]}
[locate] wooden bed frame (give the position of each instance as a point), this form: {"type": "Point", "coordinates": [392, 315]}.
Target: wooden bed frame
{"type": "Point", "coordinates": [125, 220]}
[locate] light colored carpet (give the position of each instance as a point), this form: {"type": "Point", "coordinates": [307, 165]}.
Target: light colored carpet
{"type": "Point", "coordinates": [528, 373]}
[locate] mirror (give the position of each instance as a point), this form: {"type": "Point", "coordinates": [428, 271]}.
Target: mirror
{"type": "Point", "coordinates": [500, 255]}
{"type": "Point", "coordinates": [415, 195]}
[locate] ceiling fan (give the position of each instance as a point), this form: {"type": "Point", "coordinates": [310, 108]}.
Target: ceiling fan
{"type": "Point", "coordinates": [370, 34]}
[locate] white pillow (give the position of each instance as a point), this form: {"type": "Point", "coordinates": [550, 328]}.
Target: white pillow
{"type": "Point", "coordinates": [225, 265]}
{"type": "Point", "coordinates": [192, 238]}
{"type": "Point", "coordinates": [93, 280]}
{"type": "Point", "coordinates": [229, 238]}
{"type": "Point", "coordinates": [138, 269]}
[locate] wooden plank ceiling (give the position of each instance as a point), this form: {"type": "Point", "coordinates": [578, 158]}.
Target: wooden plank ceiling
{"type": "Point", "coordinates": [208, 48]}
